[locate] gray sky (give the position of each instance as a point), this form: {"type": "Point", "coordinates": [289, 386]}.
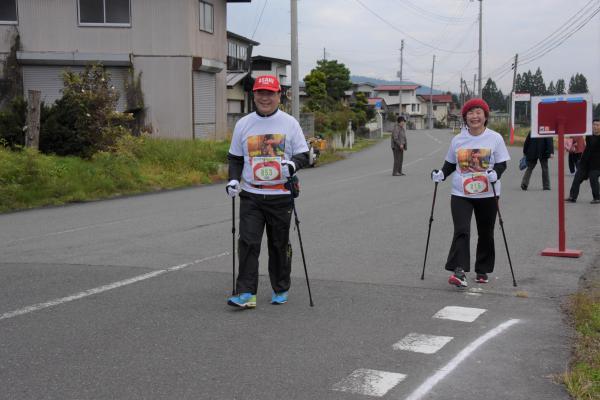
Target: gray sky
{"type": "Point", "coordinates": [365, 35]}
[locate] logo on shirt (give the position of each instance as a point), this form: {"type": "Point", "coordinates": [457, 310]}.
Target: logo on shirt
{"type": "Point", "coordinates": [266, 153]}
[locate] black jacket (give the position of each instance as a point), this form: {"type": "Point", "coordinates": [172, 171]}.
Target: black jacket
{"type": "Point", "coordinates": [537, 148]}
{"type": "Point", "coordinates": [590, 159]}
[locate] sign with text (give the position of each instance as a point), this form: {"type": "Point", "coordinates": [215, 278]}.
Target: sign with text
{"type": "Point", "coordinates": [571, 113]}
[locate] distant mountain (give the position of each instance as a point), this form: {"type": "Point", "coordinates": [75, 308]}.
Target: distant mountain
{"type": "Point", "coordinates": [421, 90]}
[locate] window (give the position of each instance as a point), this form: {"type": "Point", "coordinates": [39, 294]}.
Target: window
{"type": "Point", "coordinates": [105, 12]}
{"type": "Point", "coordinates": [206, 17]}
{"type": "Point", "coordinates": [394, 93]}
{"type": "Point", "coordinates": [8, 11]}
{"type": "Point", "coordinates": [434, 108]}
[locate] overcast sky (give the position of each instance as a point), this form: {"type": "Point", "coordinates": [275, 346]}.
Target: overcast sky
{"type": "Point", "coordinates": [365, 35]}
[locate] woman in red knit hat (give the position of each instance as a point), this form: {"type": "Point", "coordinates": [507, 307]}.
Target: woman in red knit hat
{"type": "Point", "coordinates": [478, 155]}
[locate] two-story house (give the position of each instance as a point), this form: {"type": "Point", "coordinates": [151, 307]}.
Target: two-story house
{"type": "Point", "coordinates": [411, 106]}
{"type": "Point", "coordinates": [180, 46]}
{"type": "Point", "coordinates": [239, 53]}
{"type": "Point", "coordinates": [441, 103]}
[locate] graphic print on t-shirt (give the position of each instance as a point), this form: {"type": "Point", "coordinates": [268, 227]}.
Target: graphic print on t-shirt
{"type": "Point", "coordinates": [472, 166]}
{"type": "Point", "coordinates": [266, 153]}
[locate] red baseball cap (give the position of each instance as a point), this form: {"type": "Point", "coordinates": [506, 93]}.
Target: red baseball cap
{"type": "Point", "coordinates": [476, 103]}
{"type": "Point", "coordinates": [266, 82]}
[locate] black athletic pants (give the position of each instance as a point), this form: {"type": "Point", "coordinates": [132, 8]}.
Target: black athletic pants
{"type": "Point", "coordinates": [485, 217]}
{"type": "Point", "coordinates": [257, 212]}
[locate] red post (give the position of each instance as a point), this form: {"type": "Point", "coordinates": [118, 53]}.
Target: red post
{"type": "Point", "coordinates": [561, 251]}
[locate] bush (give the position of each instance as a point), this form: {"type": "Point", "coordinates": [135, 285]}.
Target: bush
{"type": "Point", "coordinates": [83, 121]}
{"type": "Point", "coordinates": [12, 123]}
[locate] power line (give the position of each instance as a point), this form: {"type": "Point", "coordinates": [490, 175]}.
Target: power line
{"type": "Point", "coordinates": [259, 19]}
{"type": "Point", "coordinates": [406, 34]}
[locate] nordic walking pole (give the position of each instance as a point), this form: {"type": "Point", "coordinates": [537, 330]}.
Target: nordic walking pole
{"type": "Point", "coordinates": [297, 221]}
{"type": "Point", "coordinates": [233, 242]}
{"type": "Point", "coordinates": [503, 234]}
{"type": "Point", "coordinates": [429, 231]}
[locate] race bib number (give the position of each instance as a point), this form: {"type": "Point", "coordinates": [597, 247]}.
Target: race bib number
{"type": "Point", "coordinates": [266, 168]}
{"type": "Point", "coordinates": [475, 184]}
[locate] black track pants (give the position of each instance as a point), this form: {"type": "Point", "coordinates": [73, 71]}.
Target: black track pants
{"type": "Point", "coordinates": [485, 217]}
{"type": "Point", "coordinates": [257, 212]}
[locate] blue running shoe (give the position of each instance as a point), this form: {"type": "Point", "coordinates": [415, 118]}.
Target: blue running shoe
{"type": "Point", "coordinates": [243, 300]}
{"type": "Point", "coordinates": [279, 298]}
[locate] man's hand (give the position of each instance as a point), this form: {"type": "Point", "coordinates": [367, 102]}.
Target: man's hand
{"type": "Point", "coordinates": [233, 188]}
{"type": "Point", "coordinates": [288, 168]}
{"type": "Point", "coordinates": [437, 176]}
{"type": "Point", "coordinates": [492, 175]}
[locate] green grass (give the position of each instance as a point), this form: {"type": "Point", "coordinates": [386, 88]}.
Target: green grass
{"type": "Point", "coordinates": [330, 155]}
{"type": "Point", "coordinates": [29, 179]}
{"type": "Point", "coordinates": [582, 379]}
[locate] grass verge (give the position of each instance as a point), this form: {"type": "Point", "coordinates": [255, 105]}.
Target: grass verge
{"type": "Point", "coordinates": [29, 179]}
{"type": "Point", "coordinates": [330, 155]}
{"type": "Point", "coordinates": [582, 379]}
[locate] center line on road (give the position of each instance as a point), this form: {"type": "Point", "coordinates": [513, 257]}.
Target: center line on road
{"type": "Point", "coordinates": [110, 286]}
{"type": "Point", "coordinates": [460, 357]}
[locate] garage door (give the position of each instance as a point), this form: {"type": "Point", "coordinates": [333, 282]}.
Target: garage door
{"type": "Point", "coordinates": [48, 79]}
{"type": "Point", "coordinates": [205, 102]}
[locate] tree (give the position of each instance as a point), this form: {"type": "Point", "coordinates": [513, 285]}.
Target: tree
{"type": "Point", "coordinates": [560, 86]}
{"type": "Point", "coordinates": [578, 84]}
{"type": "Point", "coordinates": [551, 88]}
{"type": "Point", "coordinates": [337, 77]}
{"type": "Point", "coordinates": [493, 96]}
{"type": "Point", "coordinates": [537, 83]}
{"type": "Point", "coordinates": [316, 89]}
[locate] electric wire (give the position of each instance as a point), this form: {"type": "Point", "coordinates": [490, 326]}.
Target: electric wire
{"type": "Point", "coordinates": [259, 19]}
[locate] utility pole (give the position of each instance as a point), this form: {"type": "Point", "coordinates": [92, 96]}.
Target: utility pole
{"type": "Point", "coordinates": [324, 55]}
{"type": "Point", "coordinates": [461, 98]}
{"type": "Point", "coordinates": [475, 85]}
{"type": "Point", "coordinates": [480, 43]}
{"type": "Point", "coordinates": [400, 76]}
{"type": "Point", "coordinates": [512, 93]}
{"type": "Point", "coordinates": [295, 83]}
{"type": "Point", "coordinates": [431, 96]}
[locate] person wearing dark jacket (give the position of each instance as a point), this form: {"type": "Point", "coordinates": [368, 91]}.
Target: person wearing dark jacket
{"type": "Point", "coordinates": [535, 149]}
{"type": "Point", "coordinates": [589, 166]}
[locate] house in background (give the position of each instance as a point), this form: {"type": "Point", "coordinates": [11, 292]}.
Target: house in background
{"type": "Point", "coordinates": [180, 46]}
{"type": "Point", "coordinates": [239, 81]}
{"type": "Point", "coordinates": [411, 106]}
{"type": "Point", "coordinates": [442, 107]}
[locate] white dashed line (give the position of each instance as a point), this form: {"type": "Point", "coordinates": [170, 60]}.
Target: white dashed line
{"type": "Point", "coordinates": [369, 382]}
{"type": "Point", "coordinates": [111, 286]}
{"type": "Point", "coordinates": [464, 314]}
{"type": "Point", "coordinates": [448, 368]}
{"type": "Point", "coordinates": [421, 343]}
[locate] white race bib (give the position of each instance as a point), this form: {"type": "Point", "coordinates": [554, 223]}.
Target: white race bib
{"type": "Point", "coordinates": [266, 168]}
{"type": "Point", "coordinates": [475, 183]}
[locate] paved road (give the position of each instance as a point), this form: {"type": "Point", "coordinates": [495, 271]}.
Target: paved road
{"type": "Point", "coordinates": [125, 299]}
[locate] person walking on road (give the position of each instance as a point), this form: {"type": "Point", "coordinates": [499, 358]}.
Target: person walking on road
{"type": "Point", "coordinates": [399, 145]}
{"type": "Point", "coordinates": [478, 155]}
{"type": "Point", "coordinates": [574, 146]}
{"type": "Point", "coordinates": [535, 149]}
{"type": "Point", "coordinates": [267, 148]}
{"type": "Point", "coordinates": [589, 166]}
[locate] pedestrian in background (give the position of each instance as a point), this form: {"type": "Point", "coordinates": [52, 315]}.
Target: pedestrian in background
{"type": "Point", "coordinates": [478, 155]}
{"type": "Point", "coordinates": [535, 149]}
{"type": "Point", "coordinates": [267, 148]}
{"type": "Point", "coordinates": [574, 146]}
{"type": "Point", "coordinates": [399, 145]}
{"type": "Point", "coordinates": [589, 166]}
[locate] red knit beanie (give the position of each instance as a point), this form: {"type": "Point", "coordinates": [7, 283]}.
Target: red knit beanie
{"type": "Point", "coordinates": [475, 103]}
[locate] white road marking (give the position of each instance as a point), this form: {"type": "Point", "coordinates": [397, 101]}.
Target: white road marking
{"type": "Point", "coordinates": [369, 382]}
{"type": "Point", "coordinates": [110, 286]}
{"type": "Point", "coordinates": [421, 343]}
{"type": "Point", "coordinates": [464, 314]}
{"type": "Point", "coordinates": [448, 368]}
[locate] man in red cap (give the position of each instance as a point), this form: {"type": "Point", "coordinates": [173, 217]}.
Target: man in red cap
{"type": "Point", "coordinates": [267, 149]}
{"type": "Point", "coordinates": [478, 155]}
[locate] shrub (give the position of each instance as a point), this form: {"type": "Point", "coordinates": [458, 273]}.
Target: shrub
{"type": "Point", "coordinates": [83, 121]}
{"type": "Point", "coordinates": [12, 123]}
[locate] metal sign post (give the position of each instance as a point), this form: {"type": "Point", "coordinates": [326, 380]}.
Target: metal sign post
{"type": "Point", "coordinates": [516, 97]}
{"type": "Point", "coordinates": [569, 115]}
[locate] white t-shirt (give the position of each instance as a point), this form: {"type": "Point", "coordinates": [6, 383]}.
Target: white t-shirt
{"type": "Point", "coordinates": [265, 142]}
{"type": "Point", "coordinates": [473, 156]}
